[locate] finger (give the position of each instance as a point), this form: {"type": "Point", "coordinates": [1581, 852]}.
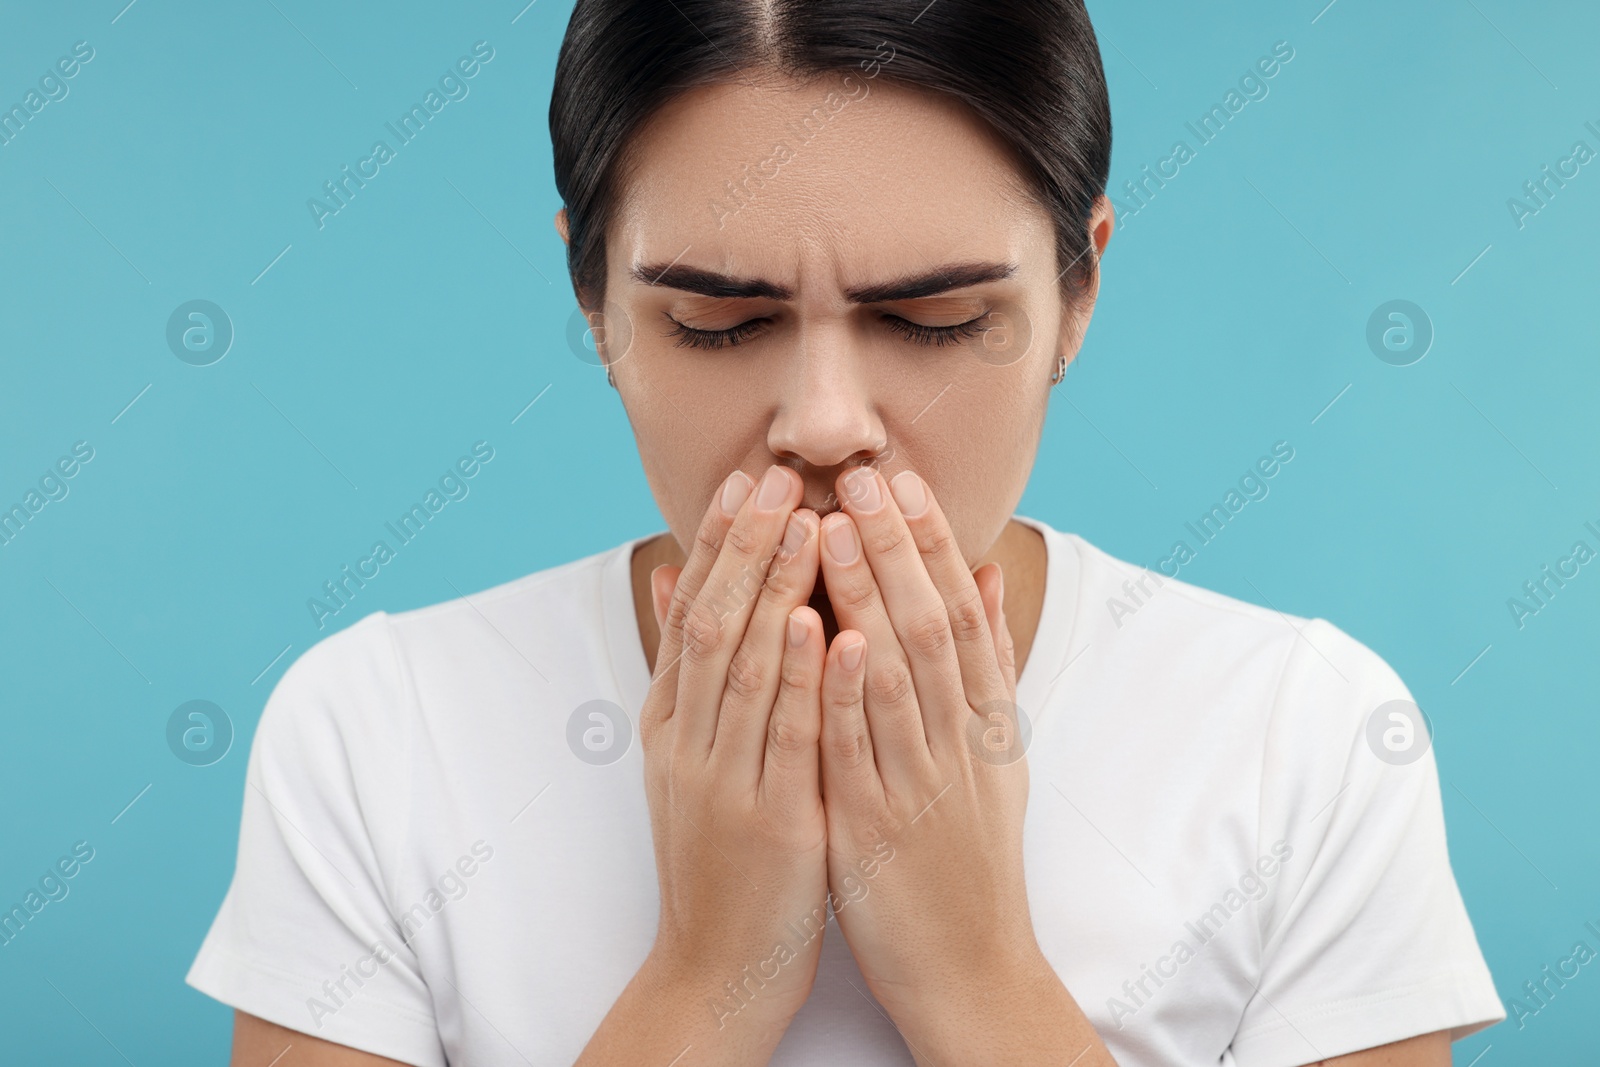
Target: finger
{"type": "Point", "coordinates": [661, 700]}
{"type": "Point", "coordinates": [850, 779]}
{"type": "Point", "coordinates": [714, 624]}
{"type": "Point", "coordinates": [789, 768]}
{"type": "Point", "coordinates": [898, 740]}
{"type": "Point", "coordinates": [662, 581]}
{"type": "Point", "coordinates": [714, 527]}
{"type": "Point", "coordinates": [658, 706]}
{"type": "Point", "coordinates": [916, 610]}
{"type": "Point", "coordinates": [991, 583]}
{"type": "Point", "coordinates": [965, 611]}
{"type": "Point", "coordinates": [755, 670]}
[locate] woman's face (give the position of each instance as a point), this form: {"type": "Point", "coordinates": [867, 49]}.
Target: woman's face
{"type": "Point", "coordinates": [832, 273]}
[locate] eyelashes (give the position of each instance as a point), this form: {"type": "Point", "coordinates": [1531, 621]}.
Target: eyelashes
{"type": "Point", "coordinates": [916, 333]}
{"type": "Point", "coordinates": [935, 336]}
{"type": "Point", "coordinates": [689, 337]}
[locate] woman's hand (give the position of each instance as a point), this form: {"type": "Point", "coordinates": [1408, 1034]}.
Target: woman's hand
{"type": "Point", "coordinates": [730, 731]}
{"type": "Point", "coordinates": [926, 788]}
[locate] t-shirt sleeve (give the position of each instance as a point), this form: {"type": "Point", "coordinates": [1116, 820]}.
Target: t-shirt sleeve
{"type": "Point", "coordinates": [1367, 940]}
{"type": "Point", "coordinates": [305, 937]}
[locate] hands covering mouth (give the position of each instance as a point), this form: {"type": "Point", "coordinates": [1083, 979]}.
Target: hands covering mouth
{"type": "Point", "coordinates": [779, 759]}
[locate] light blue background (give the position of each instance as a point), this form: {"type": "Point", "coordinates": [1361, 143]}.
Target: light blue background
{"type": "Point", "coordinates": [429, 313]}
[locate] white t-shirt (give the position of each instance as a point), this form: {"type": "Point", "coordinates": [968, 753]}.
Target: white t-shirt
{"type": "Point", "coordinates": [1219, 865]}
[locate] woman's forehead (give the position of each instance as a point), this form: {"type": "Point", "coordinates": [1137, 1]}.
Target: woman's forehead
{"type": "Point", "coordinates": [747, 175]}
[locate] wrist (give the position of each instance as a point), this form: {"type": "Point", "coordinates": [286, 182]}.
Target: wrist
{"type": "Point", "coordinates": [665, 1010]}
{"type": "Point", "coordinates": [717, 990]}
{"type": "Point", "coordinates": [1012, 1012]}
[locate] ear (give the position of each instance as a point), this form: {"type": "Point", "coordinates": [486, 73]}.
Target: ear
{"type": "Point", "coordinates": [1102, 221]}
{"type": "Point", "coordinates": [561, 226]}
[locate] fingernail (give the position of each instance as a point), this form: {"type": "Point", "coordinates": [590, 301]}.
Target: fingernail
{"type": "Point", "coordinates": [774, 487]}
{"type": "Point", "coordinates": [794, 536]}
{"type": "Point", "coordinates": [909, 493]}
{"type": "Point", "coordinates": [797, 632]}
{"type": "Point", "coordinates": [842, 543]}
{"type": "Point", "coordinates": [861, 486]}
{"type": "Point", "coordinates": [734, 493]}
{"type": "Point", "coordinates": [850, 655]}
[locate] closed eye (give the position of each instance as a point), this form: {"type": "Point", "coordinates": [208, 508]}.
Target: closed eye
{"type": "Point", "coordinates": [916, 332]}
{"type": "Point", "coordinates": [935, 336]}
{"type": "Point", "coordinates": [689, 337]}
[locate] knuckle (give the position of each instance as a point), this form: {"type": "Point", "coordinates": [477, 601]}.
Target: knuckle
{"type": "Point", "coordinates": [781, 592]}
{"type": "Point", "coordinates": [785, 738]}
{"type": "Point", "coordinates": [795, 675]}
{"type": "Point", "coordinates": [928, 634]}
{"type": "Point", "coordinates": [783, 556]}
{"type": "Point", "coordinates": [886, 539]}
{"type": "Point", "coordinates": [783, 580]}
{"type": "Point", "coordinates": [857, 594]}
{"type": "Point", "coordinates": [938, 542]}
{"type": "Point", "coordinates": [781, 563]}
{"type": "Point", "coordinates": [702, 632]}
{"type": "Point", "coordinates": [850, 748]}
{"type": "Point", "coordinates": [968, 622]}
{"type": "Point", "coordinates": [889, 685]}
{"type": "Point", "coordinates": [708, 539]}
{"type": "Point", "coordinates": [742, 541]}
{"type": "Point", "coordinates": [747, 676]}
{"type": "Point", "coordinates": [737, 591]}
{"type": "Point", "coordinates": [678, 608]}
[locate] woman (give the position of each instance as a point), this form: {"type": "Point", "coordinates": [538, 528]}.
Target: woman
{"type": "Point", "coordinates": [840, 251]}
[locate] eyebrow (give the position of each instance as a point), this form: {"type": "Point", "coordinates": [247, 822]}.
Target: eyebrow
{"type": "Point", "coordinates": [913, 287]}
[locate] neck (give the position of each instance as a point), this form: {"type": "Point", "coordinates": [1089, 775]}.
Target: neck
{"type": "Point", "coordinates": [1019, 550]}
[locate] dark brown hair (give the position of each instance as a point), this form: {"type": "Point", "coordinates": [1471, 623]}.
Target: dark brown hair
{"type": "Point", "coordinates": [1030, 69]}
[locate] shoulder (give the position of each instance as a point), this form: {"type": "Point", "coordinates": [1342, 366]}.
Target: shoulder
{"type": "Point", "coordinates": [1297, 706]}
{"type": "Point", "coordinates": [557, 604]}
{"type": "Point", "coordinates": [361, 682]}
{"type": "Point", "coordinates": [1124, 592]}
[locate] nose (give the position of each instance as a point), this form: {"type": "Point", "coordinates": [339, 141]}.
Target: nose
{"type": "Point", "coordinates": [826, 416]}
